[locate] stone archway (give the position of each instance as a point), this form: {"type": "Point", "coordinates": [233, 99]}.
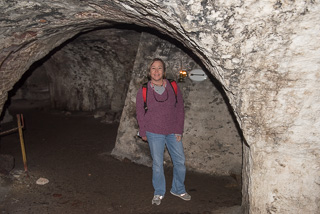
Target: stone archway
{"type": "Point", "coordinates": [265, 54]}
{"type": "Point", "coordinates": [211, 139]}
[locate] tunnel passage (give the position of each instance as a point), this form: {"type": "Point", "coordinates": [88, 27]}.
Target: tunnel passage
{"type": "Point", "coordinates": [226, 152]}
{"type": "Point", "coordinates": [98, 70]}
{"type": "Point", "coordinates": [95, 71]}
{"type": "Point", "coordinates": [267, 57]}
{"type": "Point", "coordinates": [88, 72]}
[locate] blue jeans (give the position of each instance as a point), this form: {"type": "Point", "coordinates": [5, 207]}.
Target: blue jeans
{"type": "Point", "coordinates": [157, 143]}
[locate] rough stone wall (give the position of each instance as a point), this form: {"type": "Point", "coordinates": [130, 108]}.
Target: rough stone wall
{"type": "Point", "coordinates": [93, 70]}
{"type": "Point", "coordinates": [211, 141]}
{"type": "Point", "coordinates": [265, 54]}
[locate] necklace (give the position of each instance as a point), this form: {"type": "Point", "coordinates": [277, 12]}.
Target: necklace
{"type": "Point", "coordinates": [161, 101]}
{"type": "Point", "coordinates": [158, 89]}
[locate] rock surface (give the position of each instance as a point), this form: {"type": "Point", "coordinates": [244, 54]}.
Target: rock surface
{"type": "Point", "coordinates": [6, 164]}
{"type": "Point", "coordinates": [264, 53]}
{"type": "Point", "coordinates": [211, 139]}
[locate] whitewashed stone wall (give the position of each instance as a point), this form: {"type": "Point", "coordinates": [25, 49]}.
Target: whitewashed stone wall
{"type": "Point", "coordinates": [265, 54]}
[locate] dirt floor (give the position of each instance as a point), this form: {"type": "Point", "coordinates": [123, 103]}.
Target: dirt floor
{"type": "Point", "coordinates": [72, 150]}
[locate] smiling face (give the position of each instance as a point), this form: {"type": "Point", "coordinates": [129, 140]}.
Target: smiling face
{"type": "Point", "coordinates": [157, 72]}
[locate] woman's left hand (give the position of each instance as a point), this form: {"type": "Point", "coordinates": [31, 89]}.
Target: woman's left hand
{"type": "Point", "coordinates": [178, 137]}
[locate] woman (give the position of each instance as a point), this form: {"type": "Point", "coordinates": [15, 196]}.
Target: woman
{"type": "Point", "coordinates": [162, 125]}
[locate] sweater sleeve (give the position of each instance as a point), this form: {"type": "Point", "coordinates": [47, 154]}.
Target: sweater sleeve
{"type": "Point", "coordinates": [140, 113]}
{"type": "Point", "coordinates": [180, 113]}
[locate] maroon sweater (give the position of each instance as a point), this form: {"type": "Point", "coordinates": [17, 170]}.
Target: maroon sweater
{"type": "Point", "coordinates": [162, 117]}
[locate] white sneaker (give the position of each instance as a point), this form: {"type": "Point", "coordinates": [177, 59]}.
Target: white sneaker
{"type": "Point", "coordinates": [157, 199]}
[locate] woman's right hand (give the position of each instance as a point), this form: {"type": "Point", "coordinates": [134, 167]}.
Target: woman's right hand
{"type": "Point", "coordinates": [144, 138]}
